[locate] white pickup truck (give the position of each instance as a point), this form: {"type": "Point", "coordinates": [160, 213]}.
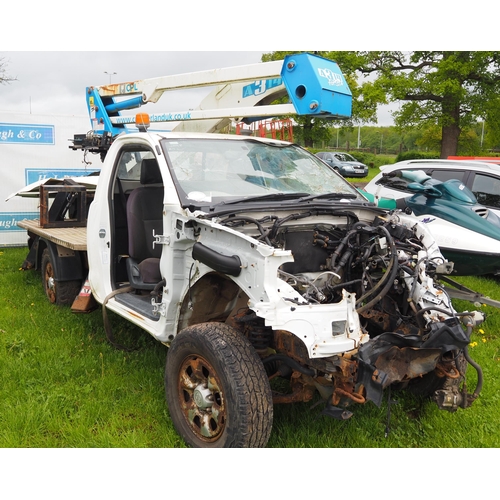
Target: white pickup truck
{"type": "Point", "coordinates": [253, 260]}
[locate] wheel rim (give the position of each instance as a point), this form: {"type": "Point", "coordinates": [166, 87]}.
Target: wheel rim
{"type": "Point", "coordinates": [50, 284]}
{"type": "Point", "coordinates": [201, 398]}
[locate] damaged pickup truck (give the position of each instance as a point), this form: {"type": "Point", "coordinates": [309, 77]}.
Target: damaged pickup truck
{"type": "Point", "coordinates": [251, 260]}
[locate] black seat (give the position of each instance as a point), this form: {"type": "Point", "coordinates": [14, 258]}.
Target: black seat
{"type": "Point", "coordinates": [145, 216]}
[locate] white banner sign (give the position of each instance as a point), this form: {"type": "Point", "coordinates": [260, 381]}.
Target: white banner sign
{"type": "Point", "coordinates": [35, 147]}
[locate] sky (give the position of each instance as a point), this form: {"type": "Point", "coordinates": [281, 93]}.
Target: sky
{"type": "Point", "coordinates": [54, 82]}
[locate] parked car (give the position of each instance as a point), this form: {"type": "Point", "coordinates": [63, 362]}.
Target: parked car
{"type": "Point", "coordinates": [344, 163]}
{"type": "Point", "coordinates": [482, 178]}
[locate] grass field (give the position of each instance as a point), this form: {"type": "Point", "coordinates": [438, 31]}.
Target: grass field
{"type": "Point", "coordinates": [64, 386]}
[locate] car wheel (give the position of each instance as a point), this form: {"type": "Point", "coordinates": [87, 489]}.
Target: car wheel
{"type": "Point", "coordinates": [58, 292]}
{"type": "Point", "coordinates": [217, 390]}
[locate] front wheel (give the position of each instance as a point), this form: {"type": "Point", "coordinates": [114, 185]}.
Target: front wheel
{"type": "Point", "coordinates": [217, 389]}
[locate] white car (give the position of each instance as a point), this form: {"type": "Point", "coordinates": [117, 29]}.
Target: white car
{"type": "Point", "coordinates": [482, 178]}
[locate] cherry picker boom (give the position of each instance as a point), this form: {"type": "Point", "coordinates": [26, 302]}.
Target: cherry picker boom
{"type": "Point", "coordinates": [315, 86]}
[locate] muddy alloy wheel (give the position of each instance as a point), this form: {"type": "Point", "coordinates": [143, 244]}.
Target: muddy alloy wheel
{"type": "Point", "coordinates": [217, 389]}
{"type": "Point", "coordinates": [60, 292]}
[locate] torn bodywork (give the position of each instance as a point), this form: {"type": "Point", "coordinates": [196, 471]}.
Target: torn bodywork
{"type": "Point", "coordinates": [365, 285]}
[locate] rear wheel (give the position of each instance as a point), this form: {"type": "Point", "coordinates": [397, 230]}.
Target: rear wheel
{"type": "Point", "coordinates": [58, 292]}
{"type": "Point", "coordinates": [217, 389]}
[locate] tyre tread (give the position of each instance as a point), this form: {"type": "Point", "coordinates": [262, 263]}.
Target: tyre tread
{"type": "Point", "coordinates": [249, 381]}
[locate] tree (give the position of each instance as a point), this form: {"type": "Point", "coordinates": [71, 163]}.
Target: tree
{"type": "Point", "coordinates": [4, 78]}
{"type": "Point", "coordinates": [491, 125]}
{"type": "Point", "coordinates": [310, 131]}
{"type": "Point", "coordinates": [450, 90]}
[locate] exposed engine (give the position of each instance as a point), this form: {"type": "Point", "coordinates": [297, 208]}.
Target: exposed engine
{"type": "Point", "coordinates": [413, 332]}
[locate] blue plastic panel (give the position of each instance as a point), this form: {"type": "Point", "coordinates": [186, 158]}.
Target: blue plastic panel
{"type": "Point", "coordinates": [316, 86]}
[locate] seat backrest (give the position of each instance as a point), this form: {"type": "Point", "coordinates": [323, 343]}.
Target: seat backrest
{"type": "Point", "coordinates": [150, 172]}
{"type": "Point", "coordinates": [145, 213]}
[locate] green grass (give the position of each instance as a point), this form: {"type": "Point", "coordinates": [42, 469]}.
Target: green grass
{"type": "Point", "coordinates": [64, 386]}
{"type": "Point", "coordinates": [372, 172]}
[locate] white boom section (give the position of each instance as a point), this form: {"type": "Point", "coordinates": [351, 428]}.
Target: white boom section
{"type": "Point", "coordinates": [228, 96]}
{"type": "Point", "coordinates": [152, 89]}
{"type": "Point", "coordinates": [234, 113]}
{"type": "Point", "coordinates": [223, 104]}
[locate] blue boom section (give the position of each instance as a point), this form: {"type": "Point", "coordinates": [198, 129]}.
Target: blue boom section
{"type": "Point", "coordinates": [101, 109]}
{"type": "Point", "coordinates": [316, 86]}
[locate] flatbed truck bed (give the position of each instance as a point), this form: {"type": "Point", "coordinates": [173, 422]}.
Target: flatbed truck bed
{"type": "Point", "coordinates": [74, 238]}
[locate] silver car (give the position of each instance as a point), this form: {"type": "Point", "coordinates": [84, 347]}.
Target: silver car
{"type": "Point", "coordinates": [344, 163]}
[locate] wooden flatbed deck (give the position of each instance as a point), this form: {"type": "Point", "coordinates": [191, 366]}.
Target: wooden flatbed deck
{"type": "Point", "coordinates": [74, 238]}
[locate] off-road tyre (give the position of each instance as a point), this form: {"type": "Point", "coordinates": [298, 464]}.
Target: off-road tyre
{"type": "Point", "coordinates": [217, 390]}
{"type": "Point", "coordinates": [58, 292]}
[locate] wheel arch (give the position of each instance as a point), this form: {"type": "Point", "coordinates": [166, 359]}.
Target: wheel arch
{"type": "Point", "coordinates": [213, 297]}
{"type": "Point", "coordinates": [67, 263]}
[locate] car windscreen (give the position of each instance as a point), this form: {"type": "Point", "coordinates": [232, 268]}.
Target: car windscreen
{"type": "Point", "coordinates": [344, 157]}
{"type": "Point", "coordinates": [393, 182]}
{"type": "Point", "coordinates": [209, 171]}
